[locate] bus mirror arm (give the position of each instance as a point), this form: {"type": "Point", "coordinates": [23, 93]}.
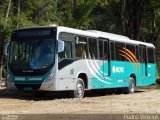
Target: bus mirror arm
{"type": "Point", "coordinates": [5, 50]}
{"type": "Point", "coordinates": [60, 46]}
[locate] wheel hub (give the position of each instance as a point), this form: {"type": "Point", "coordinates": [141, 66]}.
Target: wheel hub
{"type": "Point", "coordinates": [132, 87]}
{"type": "Point", "coordinates": [79, 89]}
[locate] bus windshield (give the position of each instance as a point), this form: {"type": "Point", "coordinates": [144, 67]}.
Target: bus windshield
{"type": "Point", "coordinates": [31, 53]}
{"type": "Point", "coordinates": [37, 54]}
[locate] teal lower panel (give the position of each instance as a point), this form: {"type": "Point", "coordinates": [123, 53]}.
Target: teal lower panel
{"type": "Point", "coordinates": [100, 83]}
{"type": "Point", "coordinates": [117, 83]}
{"type": "Point", "coordinates": [147, 81]}
{"type": "Point", "coordinates": [108, 83]}
{"type": "Point", "coordinates": [120, 73]}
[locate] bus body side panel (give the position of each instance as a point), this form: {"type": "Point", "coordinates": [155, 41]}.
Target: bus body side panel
{"type": "Point", "coordinates": [120, 76]}
{"type": "Point", "coordinates": [65, 79]}
{"type": "Point", "coordinates": [67, 76]}
{"type": "Point", "coordinates": [134, 69]}
{"type": "Point", "coordinates": [151, 76]}
{"type": "Point", "coordinates": [116, 79]}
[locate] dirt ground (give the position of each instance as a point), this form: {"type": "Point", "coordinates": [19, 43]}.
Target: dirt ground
{"type": "Point", "coordinates": [144, 101]}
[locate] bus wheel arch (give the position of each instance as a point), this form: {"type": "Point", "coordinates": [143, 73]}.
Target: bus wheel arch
{"type": "Point", "coordinates": [134, 77]}
{"type": "Point", "coordinates": [80, 86]}
{"type": "Point", "coordinates": [84, 77]}
{"type": "Point", "coordinates": [131, 85]}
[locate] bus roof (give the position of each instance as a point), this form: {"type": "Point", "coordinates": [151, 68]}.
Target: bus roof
{"type": "Point", "coordinates": [96, 34]}
{"type": "Point", "coordinates": [100, 34]}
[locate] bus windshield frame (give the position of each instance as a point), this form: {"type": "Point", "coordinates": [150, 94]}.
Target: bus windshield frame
{"type": "Point", "coordinates": [32, 51]}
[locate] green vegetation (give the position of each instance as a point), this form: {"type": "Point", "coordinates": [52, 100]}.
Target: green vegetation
{"type": "Point", "coordinates": [137, 19]}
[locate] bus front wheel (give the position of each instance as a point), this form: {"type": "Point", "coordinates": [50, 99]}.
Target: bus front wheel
{"type": "Point", "coordinates": [79, 89]}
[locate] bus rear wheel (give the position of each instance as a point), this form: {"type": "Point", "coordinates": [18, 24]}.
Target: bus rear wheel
{"type": "Point", "coordinates": [79, 90]}
{"type": "Point", "coordinates": [131, 88]}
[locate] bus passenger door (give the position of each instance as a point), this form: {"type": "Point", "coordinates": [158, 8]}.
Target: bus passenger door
{"type": "Point", "coordinates": [101, 62]}
{"type": "Point", "coordinates": [106, 59]}
{"type": "Point", "coordinates": [143, 61]}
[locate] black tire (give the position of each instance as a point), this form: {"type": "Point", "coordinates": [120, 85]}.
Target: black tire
{"type": "Point", "coordinates": [79, 90]}
{"type": "Point", "coordinates": [131, 88]}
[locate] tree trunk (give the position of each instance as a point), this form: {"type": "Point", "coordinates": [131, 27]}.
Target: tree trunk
{"type": "Point", "coordinates": [123, 17]}
{"type": "Point", "coordinates": [135, 20]}
{"type": "Point", "coordinates": [131, 12]}
{"type": "Point", "coordinates": [18, 12]}
{"type": "Point", "coordinates": [7, 13]}
{"type": "Point", "coordinates": [2, 37]}
{"type": "Point", "coordinates": [1, 53]}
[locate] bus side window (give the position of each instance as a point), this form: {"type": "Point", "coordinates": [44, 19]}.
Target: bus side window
{"type": "Point", "coordinates": [150, 55]}
{"type": "Point", "coordinates": [100, 49]}
{"type": "Point", "coordinates": [68, 40]}
{"type": "Point", "coordinates": [112, 51]}
{"type": "Point", "coordinates": [93, 53]}
{"type": "Point", "coordinates": [81, 47]}
{"type": "Point", "coordinates": [105, 50]}
{"type": "Point", "coordinates": [67, 53]}
{"type": "Point", "coordinates": [142, 54]}
{"type": "Point", "coordinates": [137, 53]}
{"type": "Point", "coordinates": [118, 48]}
{"type": "Point", "coordinates": [68, 49]}
{"type": "Point", "coordinates": [131, 53]}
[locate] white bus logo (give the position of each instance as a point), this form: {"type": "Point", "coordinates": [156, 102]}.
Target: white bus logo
{"type": "Point", "coordinates": [117, 69]}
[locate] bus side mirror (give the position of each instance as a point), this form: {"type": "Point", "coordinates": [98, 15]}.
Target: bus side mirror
{"type": "Point", "coordinates": [5, 51]}
{"type": "Point", "coordinates": [60, 46]}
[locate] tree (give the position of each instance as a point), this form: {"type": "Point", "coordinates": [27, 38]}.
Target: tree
{"type": "Point", "coordinates": [76, 13]}
{"type": "Point", "coordinates": [3, 31]}
{"type": "Point", "coordinates": [137, 19]}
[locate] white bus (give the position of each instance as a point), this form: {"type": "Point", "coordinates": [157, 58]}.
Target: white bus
{"type": "Point", "coordinates": [57, 58]}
